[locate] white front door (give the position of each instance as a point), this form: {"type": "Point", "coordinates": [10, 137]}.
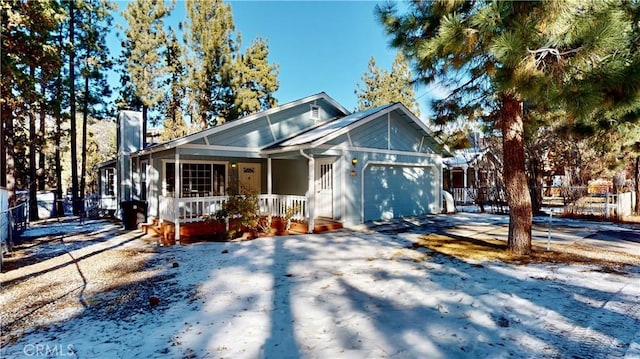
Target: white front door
{"type": "Point", "coordinates": [324, 187]}
{"type": "Point", "coordinates": [249, 177]}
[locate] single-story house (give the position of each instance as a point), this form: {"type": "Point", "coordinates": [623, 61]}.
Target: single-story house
{"type": "Point", "coordinates": [311, 154]}
{"type": "Point", "coordinates": [472, 174]}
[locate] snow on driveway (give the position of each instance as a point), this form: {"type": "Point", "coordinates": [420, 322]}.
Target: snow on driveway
{"type": "Point", "coordinates": [350, 294]}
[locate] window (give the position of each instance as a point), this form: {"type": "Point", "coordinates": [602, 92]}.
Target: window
{"type": "Point", "coordinates": [143, 181]}
{"type": "Point", "coordinates": [326, 176]}
{"type": "Point", "coordinates": [108, 182]}
{"type": "Point", "coordinates": [170, 178]}
{"type": "Point", "coordinates": [197, 179]}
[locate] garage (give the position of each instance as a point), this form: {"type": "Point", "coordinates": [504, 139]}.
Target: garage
{"type": "Point", "coordinates": [394, 190]}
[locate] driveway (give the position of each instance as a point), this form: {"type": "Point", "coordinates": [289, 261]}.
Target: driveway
{"type": "Point", "coordinates": [344, 294]}
{"type": "Point", "coordinates": [604, 235]}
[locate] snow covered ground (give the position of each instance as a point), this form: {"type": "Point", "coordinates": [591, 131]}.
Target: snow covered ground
{"type": "Point", "coordinates": [346, 294]}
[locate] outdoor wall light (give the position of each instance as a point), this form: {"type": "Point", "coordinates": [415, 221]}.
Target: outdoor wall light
{"type": "Point", "coordinates": [233, 165]}
{"type": "Point", "coordinates": [354, 161]}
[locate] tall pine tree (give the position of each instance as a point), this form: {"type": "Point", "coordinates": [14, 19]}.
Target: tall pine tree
{"type": "Point", "coordinates": [95, 16]}
{"type": "Point", "coordinates": [209, 35]}
{"type": "Point", "coordinates": [224, 84]}
{"type": "Point", "coordinates": [498, 55]}
{"type": "Point", "coordinates": [381, 87]}
{"type": "Point", "coordinates": [174, 125]}
{"type": "Point", "coordinates": [143, 48]}
{"type": "Point", "coordinates": [256, 81]}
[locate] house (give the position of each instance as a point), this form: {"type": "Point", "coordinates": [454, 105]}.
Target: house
{"type": "Point", "coordinates": [473, 175]}
{"type": "Point", "coordinates": [311, 154]}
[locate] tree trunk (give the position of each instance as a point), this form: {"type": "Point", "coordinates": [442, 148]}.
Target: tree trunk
{"type": "Point", "coordinates": [58, 137]}
{"type": "Point", "coordinates": [535, 182]}
{"type": "Point", "coordinates": [72, 112]}
{"type": "Point", "coordinates": [41, 137]}
{"type": "Point", "coordinates": [59, 192]}
{"type": "Point", "coordinates": [32, 184]}
{"type": "Point", "coordinates": [6, 113]}
{"type": "Point", "coordinates": [3, 146]}
{"type": "Point", "coordinates": [85, 115]}
{"type": "Point", "coordinates": [515, 178]}
{"type": "Point", "coordinates": [637, 175]}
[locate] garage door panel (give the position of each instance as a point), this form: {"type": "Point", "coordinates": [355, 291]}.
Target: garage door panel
{"type": "Point", "coordinates": [397, 191]}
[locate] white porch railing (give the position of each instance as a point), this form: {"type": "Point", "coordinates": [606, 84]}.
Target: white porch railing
{"type": "Point", "coordinates": [277, 205]}
{"type": "Point", "coordinates": [194, 209]}
{"type": "Point", "coordinates": [464, 195]}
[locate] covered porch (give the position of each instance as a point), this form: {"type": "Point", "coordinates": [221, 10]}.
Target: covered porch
{"type": "Point", "coordinates": [189, 190]}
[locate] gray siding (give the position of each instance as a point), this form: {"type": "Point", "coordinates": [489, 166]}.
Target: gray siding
{"type": "Point", "coordinates": [372, 135]}
{"type": "Point", "coordinates": [253, 134]}
{"type": "Point", "coordinates": [275, 127]}
{"type": "Point", "coordinates": [404, 137]}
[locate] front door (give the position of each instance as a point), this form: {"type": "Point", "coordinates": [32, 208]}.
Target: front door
{"type": "Point", "coordinates": [249, 177]}
{"type": "Point", "coordinates": [324, 187]}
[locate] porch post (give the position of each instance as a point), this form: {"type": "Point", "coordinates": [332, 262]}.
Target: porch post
{"type": "Point", "coordinates": [311, 191]}
{"type": "Point", "coordinates": [311, 194]}
{"type": "Point", "coordinates": [464, 183]}
{"type": "Point", "coordinates": [152, 183]}
{"type": "Point", "coordinates": [176, 197]}
{"type": "Point", "coordinates": [270, 204]}
{"type": "Point", "coordinates": [269, 177]}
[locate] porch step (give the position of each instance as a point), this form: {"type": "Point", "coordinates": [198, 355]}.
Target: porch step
{"type": "Point", "coordinates": [151, 228]}
{"type": "Point", "coordinates": [322, 224]}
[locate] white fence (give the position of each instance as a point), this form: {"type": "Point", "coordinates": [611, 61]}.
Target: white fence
{"type": "Point", "coordinates": [196, 209]}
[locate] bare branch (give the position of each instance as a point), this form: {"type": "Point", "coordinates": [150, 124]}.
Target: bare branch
{"type": "Point", "coordinates": [542, 53]}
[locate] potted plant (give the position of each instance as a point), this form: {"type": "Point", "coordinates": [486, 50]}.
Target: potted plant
{"type": "Point", "coordinates": [243, 213]}
{"type": "Point", "coordinates": [289, 213]}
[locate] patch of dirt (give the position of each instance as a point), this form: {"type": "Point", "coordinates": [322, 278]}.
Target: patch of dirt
{"type": "Point", "coordinates": [110, 277]}
{"type": "Point", "coordinates": [474, 249]}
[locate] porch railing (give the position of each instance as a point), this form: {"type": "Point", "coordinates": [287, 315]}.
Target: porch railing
{"type": "Point", "coordinates": [195, 209]}
{"type": "Point", "coordinates": [464, 195]}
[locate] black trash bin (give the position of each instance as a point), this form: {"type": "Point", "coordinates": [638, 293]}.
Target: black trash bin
{"type": "Point", "coordinates": [133, 213]}
{"type": "Point", "coordinates": [129, 214]}
{"type": "Point", "coordinates": [140, 207]}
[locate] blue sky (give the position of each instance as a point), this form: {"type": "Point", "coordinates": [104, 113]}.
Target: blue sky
{"type": "Point", "coordinates": [319, 45]}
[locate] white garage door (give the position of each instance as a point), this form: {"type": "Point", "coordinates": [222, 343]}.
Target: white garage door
{"type": "Point", "coordinates": [392, 191]}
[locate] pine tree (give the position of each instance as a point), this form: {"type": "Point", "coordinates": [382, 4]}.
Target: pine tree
{"type": "Point", "coordinates": [256, 81]}
{"type": "Point", "coordinates": [27, 57]}
{"type": "Point", "coordinates": [381, 87]}
{"type": "Point", "coordinates": [211, 48]}
{"type": "Point", "coordinates": [95, 22]}
{"type": "Point", "coordinates": [223, 83]}
{"type": "Point", "coordinates": [498, 55]}
{"type": "Point", "coordinates": [174, 125]}
{"type": "Point", "coordinates": [372, 94]}
{"type": "Point", "coordinates": [145, 42]}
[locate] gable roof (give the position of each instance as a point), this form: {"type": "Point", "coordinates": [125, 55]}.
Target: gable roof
{"type": "Point", "coordinates": [328, 131]}
{"type": "Point", "coordinates": [241, 121]}
{"type": "Point", "coordinates": [470, 157]}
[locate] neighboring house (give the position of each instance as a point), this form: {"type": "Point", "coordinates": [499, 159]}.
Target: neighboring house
{"type": "Point", "coordinates": [310, 154]}
{"type": "Point", "coordinates": [107, 188]}
{"type": "Point", "coordinates": [472, 175]}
